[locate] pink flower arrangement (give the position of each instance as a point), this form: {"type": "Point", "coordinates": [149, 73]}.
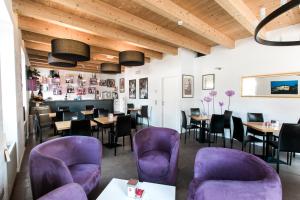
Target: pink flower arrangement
{"type": "Point", "coordinates": [213, 93]}
{"type": "Point", "coordinates": [229, 93]}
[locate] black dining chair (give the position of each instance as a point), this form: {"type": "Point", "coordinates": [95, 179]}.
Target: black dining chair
{"type": "Point", "coordinates": [133, 120]}
{"type": "Point", "coordinates": [123, 128]}
{"type": "Point", "coordinates": [41, 122]}
{"type": "Point", "coordinates": [63, 108]}
{"type": "Point", "coordinates": [186, 126]}
{"type": "Point", "coordinates": [227, 122]}
{"type": "Point", "coordinates": [129, 105]}
{"type": "Point", "coordinates": [95, 112]}
{"type": "Point", "coordinates": [289, 140]}
{"type": "Point", "coordinates": [81, 127]}
{"type": "Point", "coordinates": [144, 114]}
{"type": "Point", "coordinates": [103, 112]}
{"type": "Point", "coordinates": [216, 127]}
{"type": "Point", "coordinates": [89, 107]}
{"type": "Point", "coordinates": [298, 121]}
{"type": "Point", "coordinates": [256, 117]}
{"type": "Point", "coordinates": [195, 112]}
{"type": "Point", "coordinates": [68, 116]}
{"type": "Point", "coordinates": [239, 135]}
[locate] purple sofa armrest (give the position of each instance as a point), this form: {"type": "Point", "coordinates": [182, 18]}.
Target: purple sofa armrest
{"type": "Point", "coordinates": [47, 173]}
{"type": "Point", "coordinates": [231, 190]}
{"type": "Point", "coordinates": [67, 192]}
{"type": "Point", "coordinates": [174, 158]}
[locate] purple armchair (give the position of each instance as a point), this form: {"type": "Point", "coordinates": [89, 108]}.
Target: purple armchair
{"type": "Point", "coordinates": [156, 151]}
{"type": "Point", "coordinates": [227, 174]}
{"type": "Point", "coordinates": [70, 191]}
{"type": "Point", "coordinates": [74, 159]}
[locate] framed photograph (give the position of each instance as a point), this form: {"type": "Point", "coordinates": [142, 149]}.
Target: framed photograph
{"type": "Point", "coordinates": [187, 86]}
{"type": "Point", "coordinates": [103, 83]}
{"type": "Point", "coordinates": [91, 90]}
{"type": "Point", "coordinates": [81, 91]}
{"type": "Point", "coordinates": [208, 82]}
{"type": "Point", "coordinates": [122, 85]}
{"type": "Point", "coordinates": [110, 83]}
{"type": "Point", "coordinates": [57, 91]}
{"type": "Point", "coordinates": [132, 89]}
{"type": "Point", "coordinates": [284, 87]}
{"type": "Point", "coordinates": [70, 89]}
{"type": "Point", "coordinates": [69, 79]}
{"type": "Point", "coordinates": [93, 81]}
{"type": "Point", "coordinates": [143, 88]}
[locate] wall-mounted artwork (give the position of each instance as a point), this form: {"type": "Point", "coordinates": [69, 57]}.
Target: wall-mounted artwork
{"type": "Point", "coordinates": [92, 90]}
{"type": "Point", "coordinates": [57, 91]}
{"type": "Point", "coordinates": [132, 89]}
{"type": "Point", "coordinates": [111, 83]}
{"type": "Point", "coordinates": [114, 95]}
{"type": "Point", "coordinates": [81, 91]}
{"type": "Point", "coordinates": [187, 86]}
{"type": "Point", "coordinates": [69, 79]}
{"type": "Point", "coordinates": [143, 88]}
{"type": "Point", "coordinates": [284, 87]}
{"type": "Point", "coordinates": [103, 83]}
{"type": "Point", "coordinates": [122, 85]}
{"type": "Point", "coordinates": [208, 82]}
{"type": "Point", "coordinates": [93, 80]}
{"type": "Point", "coordinates": [70, 89]}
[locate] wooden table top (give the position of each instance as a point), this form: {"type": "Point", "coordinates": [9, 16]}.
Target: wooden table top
{"type": "Point", "coordinates": [52, 115]}
{"type": "Point", "coordinates": [105, 120]}
{"type": "Point", "coordinates": [260, 126]}
{"type": "Point", "coordinates": [87, 112]}
{"type": "Point", "coordinates": [201, 118]}
{"type": "Point", "coordinates": [66, 125]}
{"type": "Point", "coordinates": [133, 109]}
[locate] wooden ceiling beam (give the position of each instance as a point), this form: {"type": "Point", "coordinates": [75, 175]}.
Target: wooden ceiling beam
{"type": "Point", "coordinates": [241, 13]}
{"type": "Point", "coordinates": [114, 15]}
{"type": "Point", "coordinates": [53, 30]}
{"type": "Point", "coordinates": [42, 12]}
{"type": "Point", "coordinates": [78, 68]}
{"type": "Point", "coordinates": [174, 12]}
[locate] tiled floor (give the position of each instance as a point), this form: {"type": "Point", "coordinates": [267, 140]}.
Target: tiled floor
{"type": "Point", "coordinates": [123, 166]}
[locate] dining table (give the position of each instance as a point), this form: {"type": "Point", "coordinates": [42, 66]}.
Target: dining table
{"type": "Point", "coordinates": [268, 130]}
{"type": "Point", "coordinates": [202, 119]}
{"type": "Point", "coordinates": [107, 122]}
{"type": "Point", "coordinates": [66, 125]}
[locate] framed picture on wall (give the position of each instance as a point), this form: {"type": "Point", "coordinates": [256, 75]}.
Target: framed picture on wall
{"type": "Point", "coordinates": [187, 86]}
{"type": "Point", "coordinates": [132, 89]}
{"type": "Point", "coordinates": [110, 83]}
{"type": "Point", "coordinates": [122, 85]}
{"type": "Point", "coordinates": [208, 82]}
{"type": "Point", "coordinates": [143, 88]}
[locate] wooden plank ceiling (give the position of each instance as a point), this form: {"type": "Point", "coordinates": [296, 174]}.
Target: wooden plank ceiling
{"type": "Point", "coordinates": [150, 26]}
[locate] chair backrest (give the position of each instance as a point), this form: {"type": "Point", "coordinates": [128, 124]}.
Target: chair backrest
{"type": "Point", "coordinates": [81, 127]}
{"type": "Point", "coordinates": [144, 111]}
{"type": "Point", "coordinates": [130, 105]}
{"type": "Point", "coordinates": [63, 108]}
{"type": "Point", "coordinates": [217, 123]}
{"type": "Point", "coordinates": [238, 129]}
{"type": "Point", "coordinates": [289, 138]}
{"type": "Point", "coordinates": [195, 111]}
{"type": "Point", "coordinates": [123, 125]}
{"type": "Point", "coordinates": [96, 112]}
{"type": "Point", "coordinates": [89, 107]}
{"type": "Point", "coordinates": [59, 116]}
{"type": "Point", "coordinates": [183, 120]}
{"type": "Point", "coordinates": [255, 117]}
{"type": "Point", "coordinates": [298, 121]}
{"type": "Point", "coordinates": [227, 116]}
{"type": "Point", "coordinates": [103, 112]}
{"type": "Point", "coordinates": [67, 116]}
{"type": "Point", "coordinates": [133, 116]}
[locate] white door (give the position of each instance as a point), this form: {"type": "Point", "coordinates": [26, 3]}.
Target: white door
{"type": "Point", "coordinates": [171, 91]}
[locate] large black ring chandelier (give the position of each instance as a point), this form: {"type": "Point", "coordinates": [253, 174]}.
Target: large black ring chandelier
{"type": "Point", "coordinates": [284, 8]}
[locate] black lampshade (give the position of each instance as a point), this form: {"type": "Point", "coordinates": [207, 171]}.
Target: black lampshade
{"type": "Point", "coordinates": [67, 49]}
{"type": "Point", "coordinates": [131, 58]}
{"type": "Point", "coordinates": [110, 68]}
{"type": "Point", "coordinates": [60, 62]}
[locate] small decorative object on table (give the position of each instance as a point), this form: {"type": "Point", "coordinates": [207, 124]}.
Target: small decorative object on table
{"type": "Point", "coordinates": [131, 187]}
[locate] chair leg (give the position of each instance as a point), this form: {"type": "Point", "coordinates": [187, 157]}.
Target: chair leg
{"type": "Point", "coordinates": [102, 134]}
{"type": "Point", "coordinates": [209, 139]}
{"type": "Point", "coordinates": [277, 163]}
{"type": "Point", "coordinates": [249, 147]}
{"type": "Point", "coordinates": [41, 136]}
{"type": "Point", "coordinates": [253, 147]}
{"type": "Point", "coordinates": [242, 145]}
{"type": "Point", "coordinates": [123, 142]}
{"type": "Point", "coordinates": [264, 145]}
{"type": "Point", "coordinates": [224, 141]}
{"type": "Point", "coordinates": [185, 136]}
{"type": "Point", "coordinates": [148, 121]}
{"type": "Point", "coordinates": [131, 142]}
{"type": "Point", "coordinates": [116, 142]}
{"type": "Point", "coordinates": [231, 143]}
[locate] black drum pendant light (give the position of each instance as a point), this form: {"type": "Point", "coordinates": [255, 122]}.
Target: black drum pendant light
{"type": "Point", "coordinates": [284, 8]}
{"type": "Point", "coordinates": [60, 62]}
{"type": "Point", "coordinates": [72, 50]}
{"type": "Point", "coordinates": [131, 58]}
{"type": "Point", "coordinates": [110, 68]}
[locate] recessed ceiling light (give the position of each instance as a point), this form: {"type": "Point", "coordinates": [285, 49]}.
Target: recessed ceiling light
{"type": "Point", "coordinates": [262, 12]}
{"type": "Point", "coordinates": [282, 2]}
{"type": "Point", "coordinates": [180, 22]}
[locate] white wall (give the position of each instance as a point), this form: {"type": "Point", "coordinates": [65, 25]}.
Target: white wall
{"type": "Point", "coordinates": [247, 59]}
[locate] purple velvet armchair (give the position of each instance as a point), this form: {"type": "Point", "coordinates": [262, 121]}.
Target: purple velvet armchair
{"type": "Point", "coordinates": [74, 159]}
{"type": "Point", "coordinates": [156, 151]}
{"type": "Point", "coordinates": [70, 191]}
{"type": "Point", "coordinates": [227, 174]}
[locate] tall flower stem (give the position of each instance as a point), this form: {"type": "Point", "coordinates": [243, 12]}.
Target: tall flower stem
{"type": "Point", "coordinates": [228, 102]}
